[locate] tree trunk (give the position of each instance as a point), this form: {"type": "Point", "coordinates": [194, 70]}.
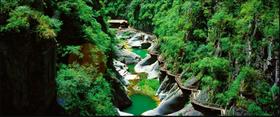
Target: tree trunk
{"type": "Point", "coordinates": [249, 42]}
{"type": "Point", "coordinates": [269, 57]}
{"type": "Point", "coordinates": [277, 71]}
{"type": "Point", "coordinates": [218, 49]}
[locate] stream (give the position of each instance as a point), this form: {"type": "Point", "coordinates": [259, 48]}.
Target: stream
{"type": "Point", "coordinates": [131, 45]}
{"type": "Point", "coordinates": [140, 104]}
{"type": "Point", "coordinates": [140, 68]}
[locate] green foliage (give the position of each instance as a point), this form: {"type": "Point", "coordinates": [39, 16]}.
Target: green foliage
{"type": "Point", "coordinates": [131, 68]}
{"type": "Point", "coordinates": [22, 16]}
{"type": "Point", "coordinates": [116, 8]}
{"type": "Point", "coordinates": [7, 5]}
{"type": "Point", "coordinates": [247, 82]}
{"type": "Point", "coordinates": [190, 32]}
{"type": "Point", "coordinates": [85, 14]}
{"type": "Point", "coordinates": [148, 86]}
{"type": "Point", "coordinates": [71, 49]}
{"type": "Point", "coordinates": [256, 110]}
{"type": "Point", "coordinates": [170, 49]}
{"type": "Point", "coordinates": [214, 66]}
{"type": "Point", "coordinates": [199, 33]}
{"type": "Point", "coordinates": [208, 82]}
{"type": "Point", "coordinates": [143, 75]}
{"type": "Point", "coordinates": [84, 92]}
{"type": "Point", "coordinates": [275, 89]}
{"type": "Point", "coordinates": [214, 39]}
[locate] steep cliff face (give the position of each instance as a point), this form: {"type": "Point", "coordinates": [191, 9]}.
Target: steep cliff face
{"type": "Point", "coordinates": [27, 73]}
{"type": "Point", "coordinates": [28, 59]}
{"type": "Point", "coordinates": [94, 43]}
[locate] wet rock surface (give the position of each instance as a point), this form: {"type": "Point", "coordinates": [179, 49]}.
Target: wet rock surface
{"type": "Point", "coordinates": [126, 56]}
{"type": "Point", "coordinates": [188, 110]}
{"type": "Point", "coordinates": [173, 100]}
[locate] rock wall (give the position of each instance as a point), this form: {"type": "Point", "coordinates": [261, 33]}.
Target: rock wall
{"type": "Point", "coordinates": [27, 76]}
{"type": "Point", "coordinates": [120, 98]}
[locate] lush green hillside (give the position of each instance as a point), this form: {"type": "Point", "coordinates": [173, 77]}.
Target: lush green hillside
{"type": "Point", "coordinates": [56, 56]}
{"type": "Point", "coordinates": [233, 43]}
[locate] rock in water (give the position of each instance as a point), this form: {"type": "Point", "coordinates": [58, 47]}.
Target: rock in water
{"type": "Point", "coordinates": [188, 110]}
{"type": "Point", "coordinates": [172, 104]}
{"type": "Point", "coordinates": [145, 45]}
{"type": "Point", "coordinates": [136, 40]}
{"type": "Point", "coordinates": [126, 56]}
{"type": "Point", "coordinates": [148, 65]}
{"type": "Point", "coordinates": [123, 113]}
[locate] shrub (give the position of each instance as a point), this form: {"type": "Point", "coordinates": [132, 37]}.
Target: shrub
{"type": "Point", "coordinates": [22, 17]}
{"type": "Point", "coordinates": [83, 91]}
{"type": "Point", "coordinates": [254, 109]}
{"type": "Point", "coordinates": [217, 68]}
{"type": "Point", "coordinates": [148, 86]}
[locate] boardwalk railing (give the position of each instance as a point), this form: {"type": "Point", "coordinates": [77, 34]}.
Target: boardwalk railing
{"type": "Point", "coordinates": [192, 90]}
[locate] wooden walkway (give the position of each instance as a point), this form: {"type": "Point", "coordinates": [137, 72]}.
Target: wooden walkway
{"type": "Point", "coordinates": [191, 91]}
{"type": "Point", "coordinates": [118, 23]}
{"type": "Point", "coordinates": [209, 106]}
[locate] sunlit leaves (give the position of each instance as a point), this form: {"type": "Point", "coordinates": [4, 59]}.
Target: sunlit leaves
{"type": "Point", "coordinates": [211, 65]}
{"type": "Point", "coordinates": [148, 86]}
{"type": "Point", "coordinates": [22, 16]}
{"type": "Point", "coordinates": [71, 49]}
{"type": "Point", "coordinates": [84, 92]}
{"type": "Point", "coordinates": [85, 14]}
{"type": "Point", "coordinates": [199, 33]}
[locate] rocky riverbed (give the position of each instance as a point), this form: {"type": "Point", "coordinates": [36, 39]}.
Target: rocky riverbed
{"type": "Point", "coordinates": [137, 53]}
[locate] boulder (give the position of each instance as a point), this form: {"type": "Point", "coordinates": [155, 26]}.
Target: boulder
{"type": "Point", "coordinates": [122, 69]}
{"type": "Point", "coordinates": [154, 71]}
{"type": "Point", "coordinates": [148, 65]}
{"type": "Point", "coordinates": [118, 89]}
{"type": "Point", "coordinates": [188, 110]}
{"type": "Point", "coordinates": [166, 87]}
{"type": "Point", "coordinates": [136, 40]}
{"type": "Point", "coordinates": [145, 45]}
{"type": "Point", "coordinates": [119, 96]}
{"type": "Point", "coordinates": [135, 44]}
{"type": "Point", "coordinates": [154, 48]}
{"type": "Point", "coordinates": [235, 111]}
{"type": "Point", "coordinates": [175, 102]}
{"type": "Point", "coordinates": [123, 113]}
{"type": "Point", "coordinates": [126, 56]}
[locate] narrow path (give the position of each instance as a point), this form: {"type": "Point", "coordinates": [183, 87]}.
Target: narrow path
{"type": "Point", "coordinates": [191, 91]}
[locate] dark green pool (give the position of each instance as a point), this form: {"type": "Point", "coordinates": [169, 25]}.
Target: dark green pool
{"type": "Point", "coordinates": [140, 104]}
{"type": "Point", "coordinates": [131, 68]}
{"type": "Point", "coordinates": [141, 52]}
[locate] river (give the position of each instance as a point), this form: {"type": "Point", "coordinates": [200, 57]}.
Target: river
{"type": "Point", "coordinates": [142, 95]}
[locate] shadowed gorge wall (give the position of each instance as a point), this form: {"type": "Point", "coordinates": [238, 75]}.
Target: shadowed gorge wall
{"type": "Point", "coordinates": [27, 75]}
{"type": "Point", "coordinates": [37, 39]}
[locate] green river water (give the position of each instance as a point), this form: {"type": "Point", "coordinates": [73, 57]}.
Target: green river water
{"type": "Point", "coordinates": [141, 52]}
{"type": "Point", "coordinates": [140, 104]}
